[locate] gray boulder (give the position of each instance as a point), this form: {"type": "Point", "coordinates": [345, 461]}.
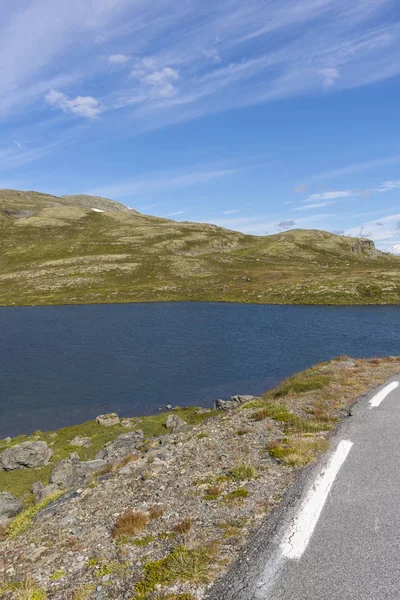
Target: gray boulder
{"type": "Point", "coordinates": [80, 441]}
{"type": "Point", "coordinates": [175, 423]}
{"type": "Point", "coordinates": [25, 455]}
{"type": "Point", "coordinates": [9, 507]}
{"type": "Point", "coordinates": [42, 491]}
{"type": "Point", "coordinates": [72, 473]}
{"type": "Point", "coordinates": [233, 403]}
{"type": "Point", "coordinates": [122, 446]}
{"type": "Point", "coordinates": [108, 420]}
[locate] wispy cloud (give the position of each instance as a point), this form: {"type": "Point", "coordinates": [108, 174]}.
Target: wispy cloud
{"type": "Point", "coordinates": [175, 214]}
{"type": "Point", "coordinates": [231, 211]}
{"type": "Point", "coordinates": [118, 59]}
{"type": "Point", "coordinates": [334, 195]}
{"type": "Point", "coordinates": [19, 145]}
{"type": "Point", "coordinates": [188, 62]}
{"type": "Point", "coordinates": [314, 205]}
{"type": "Point", "coordinates": [155, 182]}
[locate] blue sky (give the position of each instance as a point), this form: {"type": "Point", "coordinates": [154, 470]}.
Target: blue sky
{"type": "Point", "coordinates": [259, 116]}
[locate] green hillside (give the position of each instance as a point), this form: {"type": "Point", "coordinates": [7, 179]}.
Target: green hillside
{"type": "Point", "coordinates": [86, 249]}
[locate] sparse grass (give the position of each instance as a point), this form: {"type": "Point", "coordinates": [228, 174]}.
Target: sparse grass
{"type": "Point", "coordinates": [181, 565]}
{"type": "Point", "coordinates": [301, 383]}
{"type": "Point", "coordinates": [241, 432]}
{"type": "Point", "coordinates": [243, 472]}
{"type": "Point", "coordinates": [57, 575]}
{"type": "Point", "coordinates": [201, 436]}
{"type": "Point", "coordinates": [130, 523]}
{"type": "Point", "coordinates": [84, 592]}
{"type": "Point", "coordinates": [213, 492]}
{"type": "Point", "coordinates": [27, 589]}
{"type": "Point", "coordinates": [232, 528]}
{"type": "Point", "coordinates": [297, 452]}
{"type": "Point", "coordinates": [113, 467]}
{"type": "Point", "coordinates": [144, 541]}
{"type": "Point", "coordinates": [184, 526]}
{"type": "Point", "coordinates": [155, 512]}
{"type": "Point", "coordinates": [23, 521]}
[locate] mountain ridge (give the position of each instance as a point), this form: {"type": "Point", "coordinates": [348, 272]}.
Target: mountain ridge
{"type": "Point", "coordinates": [89, 249]}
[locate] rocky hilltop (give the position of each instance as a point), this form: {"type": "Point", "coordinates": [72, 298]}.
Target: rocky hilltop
{"type": "Point", "coordinates": [86, 249]}
{"type": "Point", "coordinates": [158, 508]}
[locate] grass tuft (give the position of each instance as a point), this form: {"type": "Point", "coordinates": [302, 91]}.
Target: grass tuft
{"type": "Point", "coordinates": [22, 521]}
{"type": "Point", "coordinates": [129, 523]}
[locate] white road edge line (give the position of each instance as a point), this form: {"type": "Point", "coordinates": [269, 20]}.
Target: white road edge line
{"type": "Point", "coordinates": [300, 531]}
{"type": "Point", "coordinates": [381, 395]}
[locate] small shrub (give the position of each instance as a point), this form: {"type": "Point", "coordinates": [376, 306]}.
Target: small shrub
{"type": "Point", "coordinates": [201, 436]}
{"type": "Point", "coordinates": [25, 590]}
{"type": "Point", "coordinates": [184, 526]}
{"type": "Point", "coordinates": [243, 472]}
{"type": "Point", "coordinates": [84, 592]}
{"type": "Point", "coordinates": [131, 522]}
{"type": "Point", "coordinates": [113, 467]}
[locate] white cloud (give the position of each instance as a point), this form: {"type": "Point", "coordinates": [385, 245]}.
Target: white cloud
{"type": "Point", "coordinates": [118, 59]}
{"type": "Point", "coordinates": [381, 230]}
{"type": "Point", "coordinates": [83, 106]}
{"type": "Point", "coordinates": [160, 83]}
{"type": "Point", "coordinates": [395, 249]}
{"type": "Point", "coordinates": [231, 211]}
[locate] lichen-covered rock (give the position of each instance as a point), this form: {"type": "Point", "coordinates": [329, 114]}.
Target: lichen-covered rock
{"type": "Point", "coordinates": [25, 455]}
{"type": "Point", "coordinates": [122, 446]}
{"type": "Point", "coordinates": [108, 420]}
{"type": "Point", "coordinates": [175, 423]}
{"type": "Point", "coordinates": [42, 491]}
{"type": "Point", "coordinates": [72, 473]}
{"type": "Point", "coordinates": [233, 403]}
{"type": "Point", "coordinates": [9, 507]}
{"type": "Point", "coordinates": [80, 441]}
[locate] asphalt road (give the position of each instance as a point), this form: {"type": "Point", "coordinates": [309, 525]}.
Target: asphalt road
{"type": "Point", "coordinates": [338, 535]}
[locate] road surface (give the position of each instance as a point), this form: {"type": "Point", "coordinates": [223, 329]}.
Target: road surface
{"type": "Point", "coordinates": [338, 536]}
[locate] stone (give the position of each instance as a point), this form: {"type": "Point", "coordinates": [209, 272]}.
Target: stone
{"type": "Point", "coordinates": [25, 455]}
{"type": "Point", "coordinates": [175, 423]}
{"type": "Point", "coordinates": [233, 403]}
{"type": "Point", "coordinates": [80, 441]}
{"type": "Point", "coordinates": [127, 423]}
{"type": "Point", "coordinates": [169, 406]}
{"type": "Point", "coordinates": [8, 440]}
{"type": "Point", "coordinates": [9, 507]}
{"type": "Point", "coordinates": [72, 473]}
{"type": "Point", "coordinates": [42, 491]}
{"type": "Point", "coordinates": [108, 420]}
{"type": "Point", "coordinates": [122, 446]}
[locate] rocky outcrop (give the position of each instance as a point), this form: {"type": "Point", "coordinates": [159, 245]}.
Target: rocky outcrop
{"type": "Point", "coordinates": [233, 403]}
{"type": "Point", "coordinates": [72, 473]}
{"type": "Point", "coordinates": [108, 420]}
{"type": "Point", "coordinates": [41, 491]}
{"type": "Point", "coordinates": [9, 507]}
{"type": "Point", "coordinates": [175, 423]}
{"type": "Point", "coordinates": [25, 455]}
{"type": "Point", "coordinates": [122, 446]}
{"type": "Point", "coordinates": [80, 442]}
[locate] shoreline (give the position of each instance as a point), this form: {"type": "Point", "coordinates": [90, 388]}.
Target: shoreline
{"type": "Point", "coordinates": [201, 489]}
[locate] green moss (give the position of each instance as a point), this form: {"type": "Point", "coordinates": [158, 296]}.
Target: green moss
{"type": "Point", "coordinates": [23, 521]}
{"type": "Point", "coordinates": [201, 436]}
{"type": "Point", "coordinates": [237, 495]}
{"type": "Point", "coordinates": [243, 472]}
{"type": "Point", "coordinates": [144, 541]}
{"type": "Point", "coordinates": [57, 575]}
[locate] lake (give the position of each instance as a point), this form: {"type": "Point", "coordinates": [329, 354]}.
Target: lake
{"type": "Point", "coordinates": [66, 364]}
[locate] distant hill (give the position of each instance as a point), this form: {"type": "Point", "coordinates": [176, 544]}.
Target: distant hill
{"type": "Point", "coordinates": [86, 249]}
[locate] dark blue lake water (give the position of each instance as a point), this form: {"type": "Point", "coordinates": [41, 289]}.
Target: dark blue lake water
{"type": "Point", "coordinates": [63, 365]}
